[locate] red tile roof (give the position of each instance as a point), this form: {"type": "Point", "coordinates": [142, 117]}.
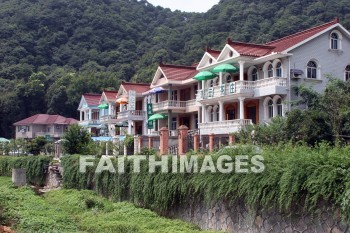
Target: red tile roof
{"type": "Point", "coordinates": [177, 72]}
{"type": "Point", "coordinates": [249, 49]}
{"type": "Point", "coordinates": [111, 95]}
{"type": "Point", "coordinates": [45, 119]}
{"type": "Point", "coordinates": [212, 52]}
{"type": "Point", "coordinates": [92, 99]}
{"type": "Point", "coordinates": [291, 40]}
{"type": "Point", "coordinates": [279, 45]}
{"type": "Point", "coordinates": [138, 87]}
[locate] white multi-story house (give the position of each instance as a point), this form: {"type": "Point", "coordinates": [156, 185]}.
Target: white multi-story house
{"type": "Point", "coordinates": [89, 113]}
{"type": "Point", "coordinates": [250, 84]}
{"type": "Point", "coordinates": [262, 85]}
{"type": "Point", "coordinates": [108, 112]}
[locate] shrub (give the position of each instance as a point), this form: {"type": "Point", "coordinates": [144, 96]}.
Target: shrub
{"type": "Point", "coordinates": [34, 165]}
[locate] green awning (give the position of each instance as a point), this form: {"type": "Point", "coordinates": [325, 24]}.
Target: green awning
{"type": "Point", "coordinates": [4, 140]}
{"type": "Point", "coordinates": [121, 124]}
{"type": "Point", "coordinates": [204, 75]}
{"type": "Point", "coordinates": [103, 106]}
{"type": "Point", "coordinates": [225, 68]}
{"type": "Point", "coordinates": [157, 116]}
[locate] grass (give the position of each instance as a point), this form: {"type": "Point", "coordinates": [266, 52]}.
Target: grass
{"type": "Point", "coordinates": [79, 211]}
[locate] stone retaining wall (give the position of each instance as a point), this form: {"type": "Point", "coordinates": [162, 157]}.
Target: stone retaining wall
{"type": "Point", "coordinates": [239, 218]}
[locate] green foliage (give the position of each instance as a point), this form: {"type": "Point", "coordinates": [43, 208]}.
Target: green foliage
{"type": "Point", "coordinates": [77, 140]}
{"type": "Point", "coordinates": [56, 51]}
{"type": "Point", "coordinates": [293, 174]}
{"type": "Point", "coordinates": [69, 211]}
{"type": "Point", "coordinates": [36, 145]}
{"type": "Point", "coordinates": [34, 165]}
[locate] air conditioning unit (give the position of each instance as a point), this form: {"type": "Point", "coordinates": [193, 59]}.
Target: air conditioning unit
{"type": "Point", "coordinates": [296, 73]}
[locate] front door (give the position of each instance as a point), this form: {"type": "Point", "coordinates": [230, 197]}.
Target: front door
{"type": "Point", "coordinates": [252, 114]}
{"type": "Point", "coordinates": [185, 121]}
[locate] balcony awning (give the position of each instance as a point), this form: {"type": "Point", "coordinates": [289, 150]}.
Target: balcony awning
{"type": "Point", "coordinates": [4, 140]}
{"type": "Point", "coordinates": [122, 100]}
{"type": "Point", "coordinates": [157, 116]}
{"type": "Point", "coordinates": [121, 124]}
{"type": "Point", "coordinates": [157, 90]}
{"type": "Point", "coordinates": [103, 106]}
{"type": "Point", "coordinates": [204, 75]}
{"type": "Point", "coordinates": [225, 68]}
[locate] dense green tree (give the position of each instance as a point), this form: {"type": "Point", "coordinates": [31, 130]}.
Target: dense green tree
{"type": "Point", "coordinates": [76, 140]}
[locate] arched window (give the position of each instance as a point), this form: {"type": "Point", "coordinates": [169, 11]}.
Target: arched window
{"type": "Point", "coordinates": [212, 115]}
{"type": "Point", "coordinates": [229, 78]}
{"type": "Point", "coordinates": [311, 69]}
{"type": "Point", "coordinates": [270, 71]}
{"type": "Point", "coordinates": [279, 69]}
{"type": "Point", "coordinates": [254, 74]}
{"type": "Point", "coordinates": [217, 113]}
{"type": "Point", "coordinates": [334, 41]}
{"type": "Point", "coordinates": [270, 108]}
{"type": "Point", "coordinates": [279, 107]}
{"type": "Point", "coordinates": [347, 73]}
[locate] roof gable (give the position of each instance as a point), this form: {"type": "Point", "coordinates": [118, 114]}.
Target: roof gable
{"type": "Point", "coordinates": [125, 87]}
{"type": "Point", "coordinates": [209, 55]}
{"type": "Point", "coordinates": [109, 96]}
{"type": "Point", "coordinates": [225, 53]}
{"type": "Point", "coordinates": [292, 41]}
{"type": "Point", "coordinates": [159, 77]}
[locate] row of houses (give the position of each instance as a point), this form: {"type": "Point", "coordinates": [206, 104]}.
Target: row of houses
{"type": "Point", "coordinates": [239, 85]}
{"type": "Point", "coordinates": [242, 84]}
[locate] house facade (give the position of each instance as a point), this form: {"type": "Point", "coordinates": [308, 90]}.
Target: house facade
{"type": "Point", "coordinates": [48, 126]}
{"type": "Point", "coordinates": [89, 113]}
{"type": "Point", "coordinates": [250, 84]}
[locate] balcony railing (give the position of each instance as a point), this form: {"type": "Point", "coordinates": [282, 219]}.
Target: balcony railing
{"type": "Point", "coordinates": [131, 114]}
{"type": "Point", "coordinates": [90, 122]}
{"type": "Point", "coordinates": [174, 104]}
{"type": "Point", "coordinates": [52, 135]}
{"type": "Point", "coordinates": [105, 118]}
{"type": "Point", "coordinates": [223, 127]}
{"type": "Point", "coordinates": [239, 87]}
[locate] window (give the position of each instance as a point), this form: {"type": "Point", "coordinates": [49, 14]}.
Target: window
{"type": "Point", "coordinates": [217, 113]}
{"type": "Point", "coordinates": [231, 54]}
{"type": "Point", "coordinates": [270, 71]}
{"type": "Point", "coordinates": [347, 73]}
{"type": "Point", "coordinates": [279, 69]}
{"type": "Point", "coordinates": [174, 95]}
{"type": "Point", "coordinates": [334, 41]}
{"type": "Point", "coordinates": [212, 114]}
{"type": "Point", "coordinates": [48, 129]}
{"type": "Point", "coordinates": [254, 74]}
{"type": "Point", "coordinates": [210, 60]}
{"type": "Point", "coordinates": [229, 79]}
{"type": "Point", "coordinates": [279, 107]}
{"type": "Point", "coordinates": [173, 123]}
{"type": "Point", "coordinates": [216, 82]}
{"type": "Point", "coordinates": [311, 69]}
{"type": "Point", "coordinates": [270, 108]}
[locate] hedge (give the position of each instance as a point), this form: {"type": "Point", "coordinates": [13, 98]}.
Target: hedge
{"type": "Point", "coordinates": [34, 165]}
{"type": "Point", "coordinates": [293, 174]}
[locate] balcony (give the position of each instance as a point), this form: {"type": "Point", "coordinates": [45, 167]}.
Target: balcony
{"type": "Point", "coordinates": [108, 119]}
{"type": "Point", "coordinates": [223, 127]}
{"type": "Point", "coordinates": [134, 115]}
{"type": "Point", "coordinates": [263, 87]}
{"type": "Point", "coordinates": [90, 123]}
{"type": "Point", "coordinates": [48, 134]}
{"type": "Point", "coordinates": [176, 106]}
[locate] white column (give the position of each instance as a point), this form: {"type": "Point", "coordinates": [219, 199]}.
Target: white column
{"type": "Point", "coordinates": [203, 84]}
{"type": "Point", "coordinates": [203, 113]}
{"type": "Point", "coordinates": [130, 122]}
{"type": "Point", "coordinates": [241, 70]}
{"type": "Point", "coordinates": [81, 115]}
{"type": "Point", "coordinates": [241, 108]}
{"type": "Point", "coordinates": [109, 109]}
{"type": "Point", "coordinates": [221, 111]}
{"type": "Point", "coordinates": [90, 114]}
{"type": "Point", "coordinates": [220, 78]}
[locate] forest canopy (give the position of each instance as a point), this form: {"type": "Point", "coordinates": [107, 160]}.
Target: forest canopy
{"type": "Point", "coordinates": [52, 51]}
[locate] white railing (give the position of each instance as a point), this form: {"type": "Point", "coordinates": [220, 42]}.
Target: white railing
{"type": "Point", "coordinates": [169, 104]}
{"type": "Point", "coordinates": [52, 135]}
{"type": "Point", "coordinates": [223, 127]}
{"type": "Point", "coordinates": [190, 103]}
{"type": "Point", "coordinates": [108, 117]}
{"type": "Point", "coordinates": [130, 113]}
{"type": "Point", "coordinates": [239, 87]}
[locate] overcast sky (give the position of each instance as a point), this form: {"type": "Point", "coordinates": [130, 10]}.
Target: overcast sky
{"type": "Point", "coordinates": [185, 5]}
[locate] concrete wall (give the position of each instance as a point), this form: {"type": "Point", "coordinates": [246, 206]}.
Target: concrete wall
{"type": "Point", "coordinates": [240, 218]}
